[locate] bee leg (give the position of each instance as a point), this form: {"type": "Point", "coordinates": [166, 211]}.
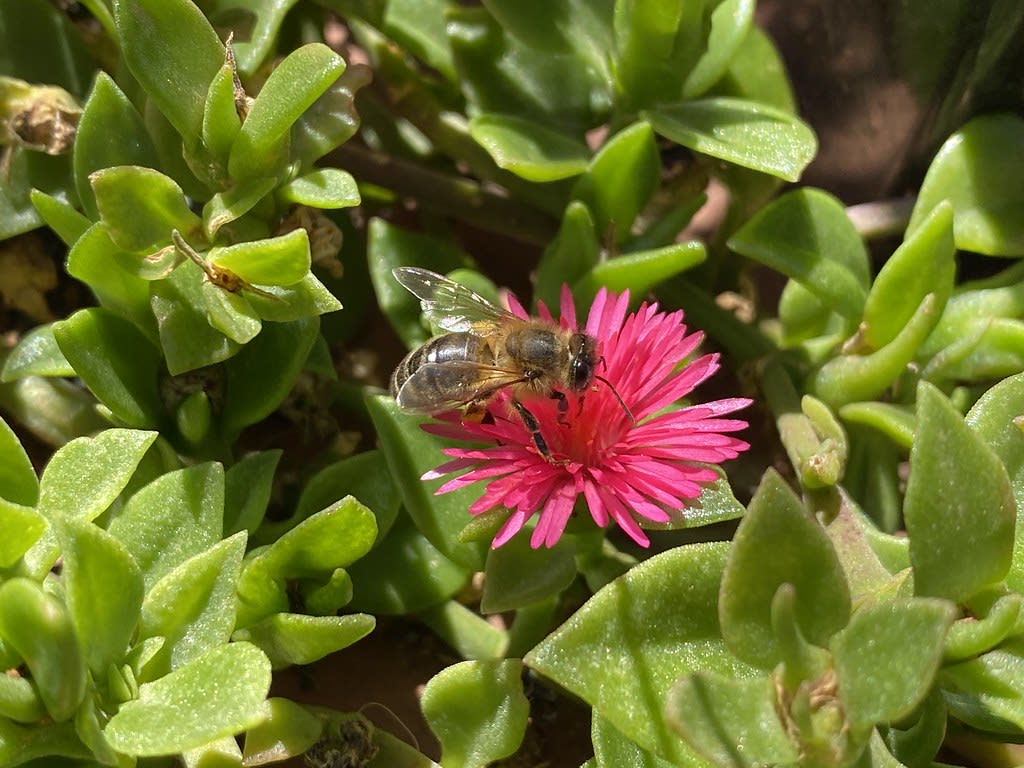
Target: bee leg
{"type": "Point", "coordinates": [530, 422]}
{"type": "Point", "coordinates": [563, 406]}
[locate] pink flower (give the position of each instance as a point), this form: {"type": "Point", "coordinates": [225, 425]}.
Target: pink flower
{"type": "Point", "coordinates": [623, 469]}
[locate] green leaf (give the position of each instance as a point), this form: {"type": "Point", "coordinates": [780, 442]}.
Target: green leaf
{"type": "Point", "coordinates": [140, 207]}
{"type": "Point", "coordinates": [528, 149]}
{"type": "Point", "coordinates": [232, 204]}
{"type": "Point", "coordinates": [419, 26]}
{"type": "Point", "coordinates": [22, 744]}
{"type": "Point", "coordinates": [570, 256]}
{"type": "Point", "coordinates": [745, 133]}
{"type": "Point", "coordinates": [323, 188]}
{"type": "Point", "coordinates": [18, 481]}
{"type": "Point", "coordinates": [221, 121]}
{"type": "Point", "coordinates": [247, 488]}
{"type": "Point", "coordinates": [54, 410]}
{"type": "Point", "coordinates": [364, 476]}
{"type": "Point", "coordinates": [961, 533]}
{"type": "Point", "coordinates": [978, 337]}
{"type": "Point", "coordinates": [640, 271]}
{"type": "Point", "coordinates": [807, 236]}
{"type": "Point", "coordinates": [887, 657]}
{"type": "Point", "coordinates": [987, 692]}
{"type": "Point", "coordinates": [289, 730]}
{"type": "Point", "coordinates": [298, 301]}
{"type": "Point", "coordinates": [778, 543]}
{"type": "Point", "coordinates": [579, 27]}
{"type": "Point", "coordinates": [23, 527]}
{"type": "Point", "coordinates": [756, 72]}
{"type": "Point", "coordinates": [110, 133]}
{"type": "Point", "coordinates": [410, 452]}
{"type": "Point", "coordinates": [103, 591]}
{"type": "Point", "coordinates": [731, 21]}
{"type": "Point", "coordinates": [850, 533]}
{"type": "Point", "coordinates": [257, 31]}
{"type": "Point", "coordinates": [916, 742]}
{"type": "Point", "coordinates": [978, 170]}
{"type": "Point", "coordinates": [517, 575]}
{"type": "Point", "coordinates": [404, 574]}
{"type": "Point", "coordinates": [923, 264]}
{"type": "Point", "coordinates": [116, 361]}
{"type": "Point", "coordinates": [624, 650]}
{"type": "Point", "coordinates": [612, 749]}
{"type": "Point", "coordinates": [83, 478]}
{"type": "Point", "coordinates": [469, 634]}
{"type": "Point", "coordinates": [499, 74]}
{"type": "Point", "coordinates": [60, 216]}
{"type": "Point", "coordinates": [194, 170]}
{"type": "Point", "coordinates": [657, 44]}
{"type": "Point", "coordinates": [38, 627]}
{"type": "Point", "coordinates": [219, 694]}
{"type": "Point", "coordinates": [192, 607]}
{"type": "Point", "coordinates": [173, 52]}
{"type": "Point", "coordinates": [20, 702]}
{"type": "Point", "coordinates": [620, 179]}
{"type": "Point", "coordinates": [331, 120]}
{"type": "Point", "coordinates": [259, 377]}
{"type": "Point", "coordinates": [281, 260]}
{"type": "Point", "coordinates": [297, 82]}
{"type": "Point", "coordinates": [329, 597]}
{"type": "Point", "coordinates": [814, 441]}
{"type": "Point", "coordinates": [193, 416]}
{"type": "Point", "coordinates": [97, 262]}
{"type": "Point", "coordinates": [995, 417]}
{"type": "Point", "coordinates": [290, 638]}
{"type": "Point", "coordinates": [30, 27]}
{"type": "Point", "coordinates": [16, 212]}
{"type": "Point", "coordinates": [733, 722]}
{"type": "Point", "coordinates": [230, 313]}
{"type": "Point", "coordinates": [973, 635]}
{"type": "Point", "coordinates": [187, 336]}
{"type": "Point", "coordinates": [172, 519]}
{"type": "Point", "coordinates": [477, 710]}
{"type": "Point", "coordinates": [37, 354]}
{"type": "Point", "coordinates": [333, 538]}
{"type": "Point", "coordinates": [851, 377]}
{"type": "Point", "coordinates": [223, 751]}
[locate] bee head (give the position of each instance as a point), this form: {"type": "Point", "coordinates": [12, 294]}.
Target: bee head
{"type": "Point", "coordinates": [582, 361]}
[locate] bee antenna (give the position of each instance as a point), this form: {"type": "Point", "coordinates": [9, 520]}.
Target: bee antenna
{"type": "Point", "coordinates": [618, 397]}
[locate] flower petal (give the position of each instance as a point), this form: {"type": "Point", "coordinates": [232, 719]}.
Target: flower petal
{"type": "Point", "coordinates": [554, 517]}
{"type": "Point", "coordinates": [567, 306]}
{"type": "Point", "coordinates": [512, 526]}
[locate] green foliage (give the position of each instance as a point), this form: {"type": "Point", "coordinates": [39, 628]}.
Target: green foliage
{"type": "Point", "coordinates": [478, 711]}
{"type": "Point", "coordinates": [181, 290]}
{"type": "Point", "coordinates": [152, 611]}
{"type": "Point", "coordinates": [194, 158]}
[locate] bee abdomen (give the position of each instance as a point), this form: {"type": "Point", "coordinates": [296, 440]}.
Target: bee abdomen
{"type": "Point", "coordinates": [436, 385]}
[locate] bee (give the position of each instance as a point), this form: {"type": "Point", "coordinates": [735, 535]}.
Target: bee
{"type": "Point", "coordinates": [487, 349]}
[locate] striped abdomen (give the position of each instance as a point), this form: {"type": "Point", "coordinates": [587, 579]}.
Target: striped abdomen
{"type": "Point", "coordinates": [435, 387]}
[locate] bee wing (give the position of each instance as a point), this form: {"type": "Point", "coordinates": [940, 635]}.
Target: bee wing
{"type": "Point", "coordinates": [451, 305]}
{"type": "Point", "coordinates": [436, 387]}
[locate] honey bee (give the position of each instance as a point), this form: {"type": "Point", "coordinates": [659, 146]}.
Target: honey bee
{"type": "Point", "coordinates": [487, 349]}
